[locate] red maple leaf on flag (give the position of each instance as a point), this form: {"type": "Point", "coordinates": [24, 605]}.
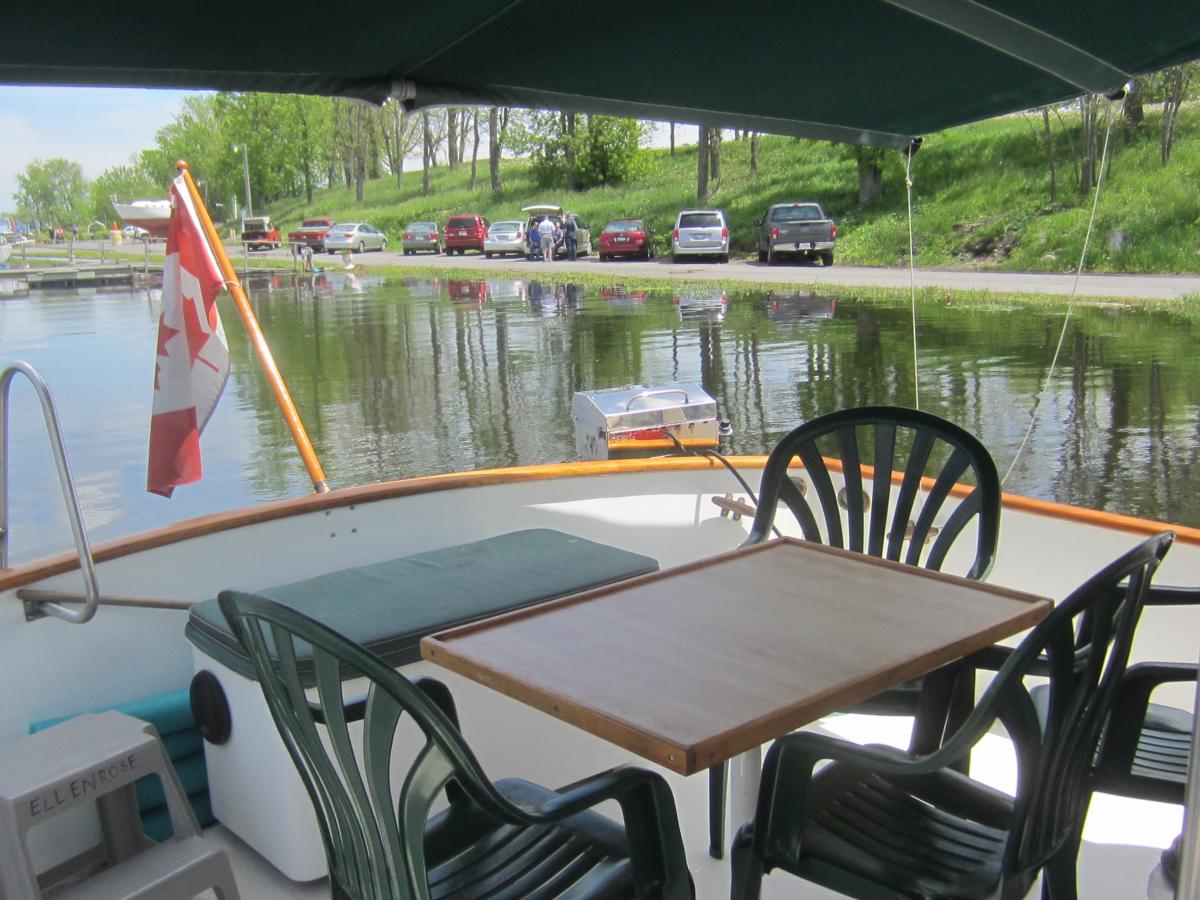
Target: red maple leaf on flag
{"type": "Point", "coordinates": [192, 357]}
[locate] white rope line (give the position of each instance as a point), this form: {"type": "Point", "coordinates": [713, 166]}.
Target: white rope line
{"type": "Point", "coordinates": [1087, 238]}
{"type": "Point", "coordinates": [912, 274]}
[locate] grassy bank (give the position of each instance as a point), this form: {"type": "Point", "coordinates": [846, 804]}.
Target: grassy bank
{"type": "Point", "coordinates": [981, 198]}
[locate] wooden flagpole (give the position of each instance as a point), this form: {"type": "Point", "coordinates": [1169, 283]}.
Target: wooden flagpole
{"type": "Point", "coordinates": [265, 358]}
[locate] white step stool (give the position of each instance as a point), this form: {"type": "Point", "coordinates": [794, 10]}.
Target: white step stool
{"type": "Point", "coordinates": [95, 759]}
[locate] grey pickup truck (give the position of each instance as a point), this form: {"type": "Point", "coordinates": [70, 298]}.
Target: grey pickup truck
{"type": "Point", "coordinates": [796, 228]}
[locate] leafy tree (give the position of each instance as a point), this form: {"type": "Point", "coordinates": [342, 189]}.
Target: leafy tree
{"type": "Point", "coordinates": [579, 152]}
{"type": "Point", "coordinates": [193, 135]}
{"type": "Point", "coordinates": [52, 193]}
{"type": "Point", "coordinates": [266, 126]}
{"type": "Point", "coordinates": [129, 182]}
{"type": "Point", "coordinates": [309, 122]}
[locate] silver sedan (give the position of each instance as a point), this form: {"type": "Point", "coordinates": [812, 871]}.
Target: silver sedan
{"type": "Point", "coordinates": [505, 237]}
{"type": "Point", "coordinates": [356, 236]}
{"type": "Point", "coordinates": [421, 236]}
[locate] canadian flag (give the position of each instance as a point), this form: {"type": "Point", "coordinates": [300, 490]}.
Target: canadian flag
{"type": "Point", "coordinates": [192, 362]}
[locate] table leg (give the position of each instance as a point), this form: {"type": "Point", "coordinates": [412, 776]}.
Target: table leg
{"type": "Point", "coordinates": [745, 769]}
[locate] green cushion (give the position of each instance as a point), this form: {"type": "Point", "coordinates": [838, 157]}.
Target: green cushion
{"type": "Point", "coordinates": [388, 607]}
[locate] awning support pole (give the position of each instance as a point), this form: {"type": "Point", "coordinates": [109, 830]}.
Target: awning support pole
{"type": "Point", "coordinates": [265, 358]}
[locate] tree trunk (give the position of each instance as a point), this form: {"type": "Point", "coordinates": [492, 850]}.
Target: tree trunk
{"type": "Point", "coordinates": [426, 151]}
{"type": "Point", "coordinates": [714, 154]}
{"type": "Point", "coordinates": [1135, 115]}
{"type": "Point", "coordinates": [702, 147]}
{"type": "Point", "coordinates": [360, 150]}
{"type": "Point", "coordinates": [754, 151]}
{"type": "Point", "coordinates": [494, 146]}
{"type": "Point", "coordinates": [452, 139]}
{"type": "Point", "coordinates": [1088, 105]}
{"type": "Point", "coordinates": [569, 131]}
{"type": "Point", "coordinates": [1175, 81]}
{"type": "Point", "coordinates": [308, 163]}
{"type": "Point", "coordinates": [475, 149]}
{"type": "Point", "coordinates": [1048, 144]}
{"type": "Point", "coordinates": [370, 126]}
{"type": "Point", "coordinates": [672, 138]}
{"type": "Point", "coordinates": [462, 136]}
{"type": "Point", "coordinates": [870, 175]}
{"type": "Point", "coordinates": [399, 135]}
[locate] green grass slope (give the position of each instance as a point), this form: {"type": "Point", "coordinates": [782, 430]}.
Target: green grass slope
{"type": "Point", "coordinates": [980, 196]}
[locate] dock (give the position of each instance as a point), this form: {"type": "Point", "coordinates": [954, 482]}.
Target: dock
{"type": "Point", "coordinates": [22, 280]}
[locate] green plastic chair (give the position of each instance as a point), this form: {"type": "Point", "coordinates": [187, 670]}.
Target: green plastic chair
{"type": "Point", "coordinates": [882, 823]}
{"type": "Point", "coordinates": [1148, 746]}
{"type": "Point", "coordinates": [511, 839]}
{"type": "Point", "coordinates": [904, 445]}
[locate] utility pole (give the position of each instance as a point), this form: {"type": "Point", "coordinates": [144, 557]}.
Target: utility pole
{"type": "Point", "coordinates": [246, 179]}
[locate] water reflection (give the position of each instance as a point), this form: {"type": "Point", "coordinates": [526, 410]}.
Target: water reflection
{"type": "Point", "coordinates": [799, 307]}
{"type": "Point", "coordinates": [701, 305]}
{"type": "Point", "coordinates": [409, 377]}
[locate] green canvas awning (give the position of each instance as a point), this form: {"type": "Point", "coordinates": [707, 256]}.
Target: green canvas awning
{"type": "Point", "coordinates": [868, 71]}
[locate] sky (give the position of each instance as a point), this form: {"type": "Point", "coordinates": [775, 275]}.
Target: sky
{"type": "Point", "coordinates": [100, 128]}
{"type": "Point", "coordinates": [96, 127]}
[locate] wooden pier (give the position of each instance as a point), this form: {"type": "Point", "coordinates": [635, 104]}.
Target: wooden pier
{"type": "Point", "coordinates": [69, 276]}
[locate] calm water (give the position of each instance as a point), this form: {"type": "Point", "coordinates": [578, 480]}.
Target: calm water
{"type": "Point", "coordinates": [412, 377]}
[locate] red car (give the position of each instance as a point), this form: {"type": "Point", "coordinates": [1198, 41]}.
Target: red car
{"type": "Point", "coordinates": [465, 233]}
{"type": "Point", "coordinates": [626, 237]}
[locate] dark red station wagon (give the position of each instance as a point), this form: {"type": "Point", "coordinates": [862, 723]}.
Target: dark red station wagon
{"type": "Point", "coordinates": [465, 233]}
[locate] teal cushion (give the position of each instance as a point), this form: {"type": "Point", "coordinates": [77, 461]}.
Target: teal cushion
{"type": "Point", "coordinates": [388, 607]}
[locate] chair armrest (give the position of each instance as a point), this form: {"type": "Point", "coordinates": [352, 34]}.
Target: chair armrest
{"type": "Point", "coordinates": [993, 657]}
{"type": "Point", "coordinates": [651, 823]}
{"type": "Point", "coordinates": [1172, 595]}
{"type": "Point", "coordinates": [1130, 706]}
{"type": "Point", "coordinates": [1133, 694]}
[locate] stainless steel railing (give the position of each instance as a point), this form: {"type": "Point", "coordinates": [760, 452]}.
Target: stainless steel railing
{"type": "Point", "coordinates": [36, 609]}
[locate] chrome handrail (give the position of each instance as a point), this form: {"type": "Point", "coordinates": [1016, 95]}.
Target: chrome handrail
{"type": "Point", "coordinates": [37, 609]}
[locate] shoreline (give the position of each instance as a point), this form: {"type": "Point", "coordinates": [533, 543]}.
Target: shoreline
{"type": "Point", "coordinates": [743, 274]}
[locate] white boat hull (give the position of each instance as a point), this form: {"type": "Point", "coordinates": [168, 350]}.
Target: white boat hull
{"type": "Point", "coordinates": [153, 215]}
{"type": "Point", "coordinates": [661, 508]}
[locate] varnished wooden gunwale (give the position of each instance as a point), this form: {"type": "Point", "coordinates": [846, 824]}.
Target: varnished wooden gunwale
{"type": "Point", "coordinates": [57, 564]}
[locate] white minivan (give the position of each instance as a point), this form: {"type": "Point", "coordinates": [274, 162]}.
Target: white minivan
{"type": "Point", "coordinates": [700, 232]}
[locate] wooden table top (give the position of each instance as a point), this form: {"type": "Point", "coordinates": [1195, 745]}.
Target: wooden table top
{"type": "Point", "coordinates": [693, 665]}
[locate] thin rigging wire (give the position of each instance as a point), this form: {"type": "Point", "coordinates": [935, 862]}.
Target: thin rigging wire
{"type": "Point", "coordinates": [912, 273]}
{"type": "Point", "coordinates": [1037, 406]}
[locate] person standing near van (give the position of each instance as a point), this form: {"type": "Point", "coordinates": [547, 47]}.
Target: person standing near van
{"type": "Point", "coordinates": [569, 228]}
{"type": "Point", "coordinates": [546, 233]}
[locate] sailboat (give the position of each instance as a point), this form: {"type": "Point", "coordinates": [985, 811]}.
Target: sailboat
{"type": "Point", "coordinates": [153, 215]}
{"type": "Point", "coordinates": [878, 72]}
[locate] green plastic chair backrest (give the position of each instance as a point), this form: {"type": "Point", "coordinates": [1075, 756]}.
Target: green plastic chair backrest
{"type": "Point", "coordinates": [375, 847]}
{"type": "Point", "coordinates": [1085, 643]}
{"type": "Point", "coordinates": [898, 444]}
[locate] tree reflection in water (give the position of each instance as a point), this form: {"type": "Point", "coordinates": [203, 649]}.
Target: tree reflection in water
{"type": "Point", "coordinates": [406, 377]}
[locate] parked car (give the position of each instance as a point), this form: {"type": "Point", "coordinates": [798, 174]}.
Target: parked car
{"type": "Point", "coordinates": [311, 233]}
{"type": "Point", "coordinates": [700, 232]}
{"type": "Point", "coordinates": [505, 237]}
{"type": "Point", "coordinates": [135, 233]}
{"type": "Point", "coordinates": [626, 237]}
{"type": "Point", "coordinates": [259, 233]}
{"type": "Point", "coordinates": [421, 236]}
{"type": "Point", "coordinates": [537, 212]}
{"type": "Point", "coordinates": [357, 236]}
{"type": "Point", "coordinates": [466, 232]}
{"type": "Point", "coordinates": [797, 228]}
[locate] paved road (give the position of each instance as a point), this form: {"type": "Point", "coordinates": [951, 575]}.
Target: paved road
{"type": "Point", "coordinates": [1157, 287]}
{"type": "Point", "coordinates": [1162, 287]}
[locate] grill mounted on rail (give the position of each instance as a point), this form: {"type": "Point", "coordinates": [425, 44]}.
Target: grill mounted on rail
{"type": "Point", "coordinates": [636, 420]}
